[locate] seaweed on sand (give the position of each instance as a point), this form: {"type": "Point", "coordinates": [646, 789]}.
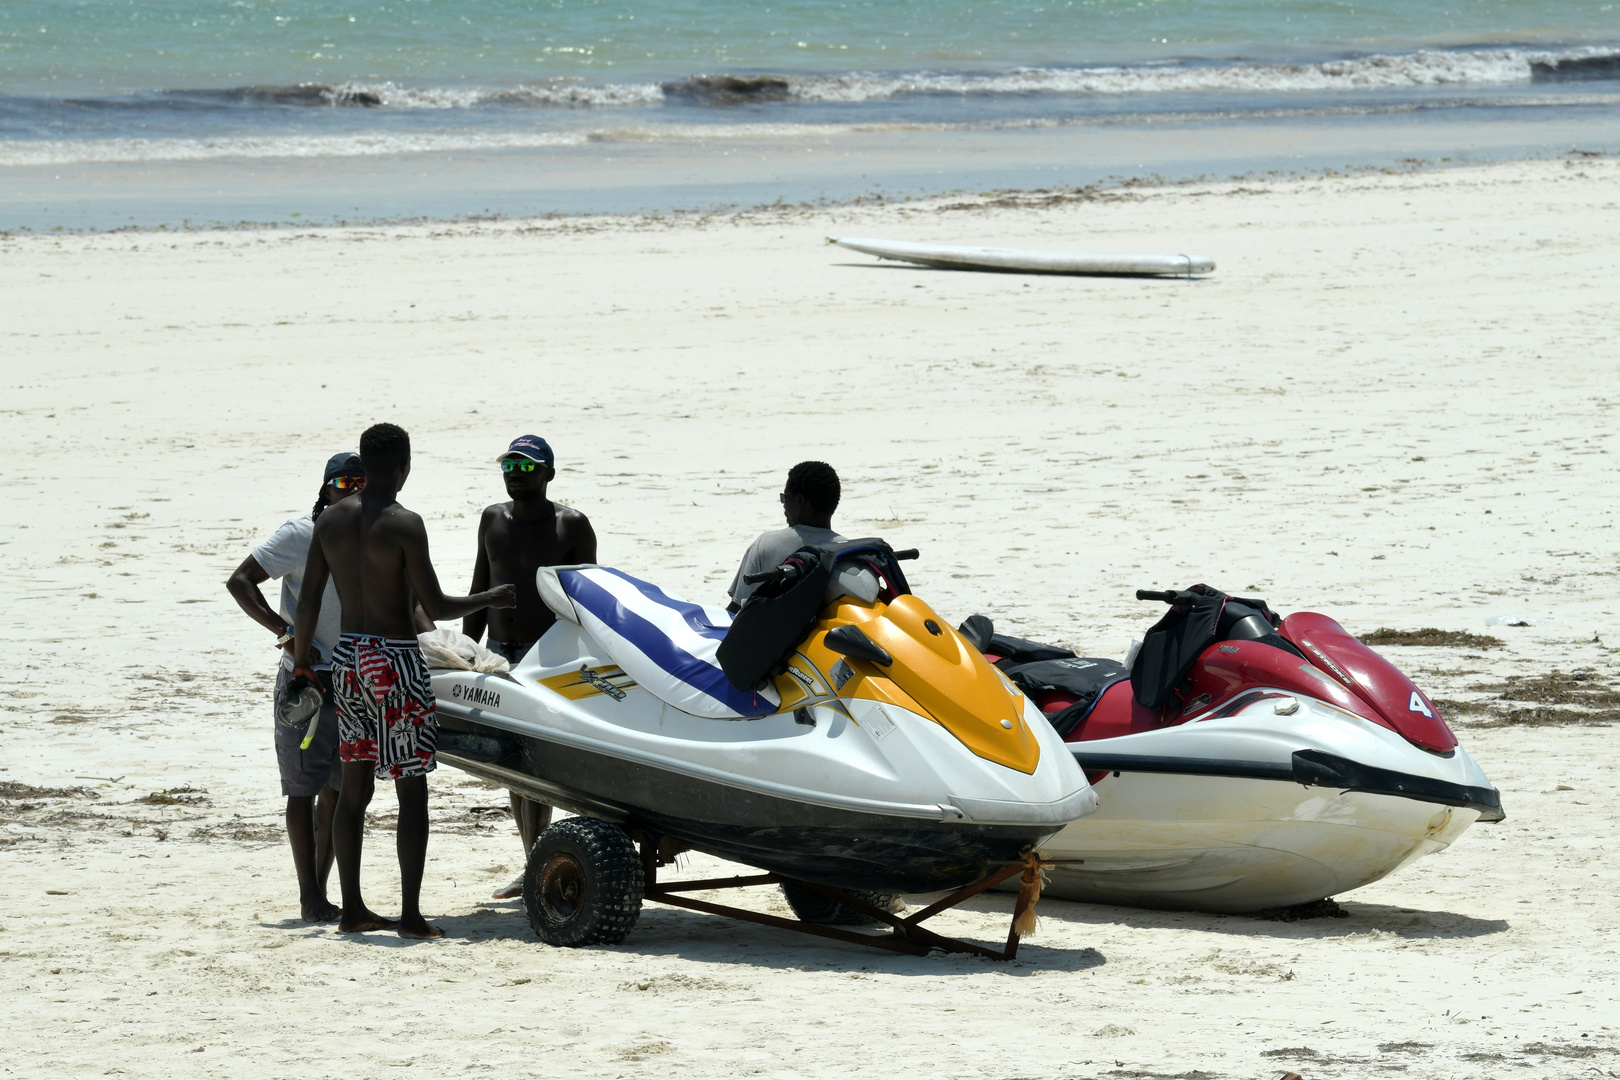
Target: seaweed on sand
{"type": "Point", "coordinates": [1431, 637]}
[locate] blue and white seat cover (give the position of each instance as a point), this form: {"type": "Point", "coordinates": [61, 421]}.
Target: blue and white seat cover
{"type": "Point", "coordinates": [664, 643]}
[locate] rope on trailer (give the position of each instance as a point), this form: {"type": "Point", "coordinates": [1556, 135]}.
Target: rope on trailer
{"type": "Point", "coordinates": [1029, 894]}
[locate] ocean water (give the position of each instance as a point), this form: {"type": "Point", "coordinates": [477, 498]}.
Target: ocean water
{"type": "Point", "coordinates": [160, 82]}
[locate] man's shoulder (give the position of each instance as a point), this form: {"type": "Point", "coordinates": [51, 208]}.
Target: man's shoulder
{"type": "Point", "coordinates": [291, 529]}
{"type": "Point", "coordinates": [774, 543]}
{"type": "Point", "coordinates": [401, 517]}
{"type": "Point", "coordinates": [283, 549]}
{"type": "Point", "coordinates": [777, 536]}
{"type": "Point", "coordinates": [569, 516]}
{"type": "Point", "coordinates": [333, 516]}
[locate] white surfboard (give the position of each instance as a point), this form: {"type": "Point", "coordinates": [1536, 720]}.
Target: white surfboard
{"type": "Point", "coordinates": [1040, 262]}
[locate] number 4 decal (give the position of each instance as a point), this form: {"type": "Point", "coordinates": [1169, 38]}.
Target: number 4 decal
{"type": "Point", "coordinates": [1418, 705]}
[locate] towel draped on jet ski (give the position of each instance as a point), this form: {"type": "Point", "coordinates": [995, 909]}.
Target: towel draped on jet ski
{"type": "Point", "coordinates": [837, 735]}
{"type": "Point", "coordinates": [1244, 761]}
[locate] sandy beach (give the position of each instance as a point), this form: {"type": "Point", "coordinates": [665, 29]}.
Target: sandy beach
{"type": "Point", "coordinates": [1393, 402]}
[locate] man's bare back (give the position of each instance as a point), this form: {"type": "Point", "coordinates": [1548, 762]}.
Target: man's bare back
{"type": "Point", "coordinates": [376, 554]}
{"type": "Point", "coordinates": [366, 552]}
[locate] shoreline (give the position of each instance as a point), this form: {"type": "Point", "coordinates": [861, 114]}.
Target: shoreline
{"type": "Point", "coordinates": [699, 175]}
{"type": "Point", "coordinates": [956, 200]}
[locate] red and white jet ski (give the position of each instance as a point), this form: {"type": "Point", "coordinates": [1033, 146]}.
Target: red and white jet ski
{"type": "Point", "coordinates": [1243, 761]}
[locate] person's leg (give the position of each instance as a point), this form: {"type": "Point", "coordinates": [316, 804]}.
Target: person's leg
{"type": "Point", "coordinates": [357, 729]}
{"type": "Point", "coordinates": [412, 842]}
{"type": "Point", "coordinates": [531, 818]}
{"type": "Point", "coordinates": [324, 747]}
{"type": "Point", "coordinates": [312, 903]}
{"type": "Point", "coordinates": [348, 832]}
{"type": "Point", "coordinates": [302, 776]}
{"type": "Point", "coordinates": [325, 806]}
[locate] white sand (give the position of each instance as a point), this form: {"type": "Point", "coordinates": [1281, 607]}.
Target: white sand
{"type": "Point", "coordinates": [1416, 371]}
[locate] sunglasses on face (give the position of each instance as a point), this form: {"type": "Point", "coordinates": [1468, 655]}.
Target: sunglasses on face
{"type": "Point", "coordinates": [523, 465]}
{"type": "Point", "coordinates": [349, 483]}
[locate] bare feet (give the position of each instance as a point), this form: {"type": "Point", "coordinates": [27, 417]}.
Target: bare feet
{"type": "Point", "coordinates": [419, 928]}
{"type": "Point", "coordinates": [514, 889]}
{"type": "Point", "coordinates": [365, 922]}
{"type": "Point", "coordinates": [323, 911]}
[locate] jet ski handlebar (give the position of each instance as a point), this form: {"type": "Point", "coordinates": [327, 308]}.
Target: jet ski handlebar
{"type": "Point", "coordinates": [906, 553]}
{"type": "Point", "coordinates": [1167, 596]}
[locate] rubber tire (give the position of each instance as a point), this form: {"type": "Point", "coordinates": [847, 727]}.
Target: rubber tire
{"type": "Point", "coordinates": [583, 884]}
{"type": "Point", "coordinates": [812, 907]}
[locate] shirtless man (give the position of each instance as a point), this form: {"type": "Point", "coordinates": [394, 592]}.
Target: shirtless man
{"type": "Point", "coordinates": [514, 540]}
{"type": "Point", "coordinates": [376, 553]}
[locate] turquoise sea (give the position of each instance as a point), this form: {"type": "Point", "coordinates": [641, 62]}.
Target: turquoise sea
{"type": "Point", "coordinates": [160, 83]}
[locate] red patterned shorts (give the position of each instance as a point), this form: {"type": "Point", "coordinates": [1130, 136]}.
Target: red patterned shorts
{"type": "Point", "coordinates": [385, 705]}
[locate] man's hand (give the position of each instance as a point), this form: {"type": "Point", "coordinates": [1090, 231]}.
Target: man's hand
{"type": "Point", "coordinates": [307, 672]}
{"type": "Point", "coordinates": [502, 596]}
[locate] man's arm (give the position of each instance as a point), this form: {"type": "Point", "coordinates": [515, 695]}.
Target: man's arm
{"type": "Point", "coordinates": [581, 537]}
{"type": "Point", "coordinates": [425, 581]}
{"type": "Point", "coordinates": [475, 624]}
{"type": "Point", "coordinates": [243, 585]}
{"type": "Point", "coordinates": [749, 559]}
{"type": "Point", "coordinates": [309, 606]}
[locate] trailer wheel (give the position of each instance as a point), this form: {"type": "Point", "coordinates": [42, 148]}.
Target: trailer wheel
{"type": "Point", "coordinates": [583, 883]}
{"type": "Point", "coordinates": [812, 907]}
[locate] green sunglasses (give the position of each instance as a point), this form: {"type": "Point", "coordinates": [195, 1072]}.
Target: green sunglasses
{"type": "Point", "coordinates": [519, 465]}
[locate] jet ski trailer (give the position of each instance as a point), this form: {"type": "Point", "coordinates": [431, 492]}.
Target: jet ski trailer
{"type": "Point", "coordinates": [846, 742]}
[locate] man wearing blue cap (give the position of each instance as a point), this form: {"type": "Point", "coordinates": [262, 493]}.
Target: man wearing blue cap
{"type": "Point", "coordinates": [309, 778]}
{"type": "Point", "coordinates": [515, 539]}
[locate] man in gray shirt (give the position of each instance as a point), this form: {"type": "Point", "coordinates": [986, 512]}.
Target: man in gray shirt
{"type": "Point", "coordinates": [808, 501]}
{"type": "Point", "coordinates": [309, 778]}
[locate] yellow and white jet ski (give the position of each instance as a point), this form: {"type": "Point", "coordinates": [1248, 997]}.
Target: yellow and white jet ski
{"type": "Point", "coordinates": [838, 733]}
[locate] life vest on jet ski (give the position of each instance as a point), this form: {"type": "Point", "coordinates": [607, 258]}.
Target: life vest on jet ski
{"type": "Point", "coordinates": [778, 615]}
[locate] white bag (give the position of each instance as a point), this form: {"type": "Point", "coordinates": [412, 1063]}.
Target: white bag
{"type": "Point", "coordinates": [449, 649]}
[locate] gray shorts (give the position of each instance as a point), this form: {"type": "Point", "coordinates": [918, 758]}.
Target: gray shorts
{"type": "Point", "coordinates": [305, 772]}
{"type": "Point", "coordinates": [510, 651]}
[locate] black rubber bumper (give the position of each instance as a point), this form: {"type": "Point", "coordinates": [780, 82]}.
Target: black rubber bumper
{"type": "Point", "coordinates": [1313, 768]}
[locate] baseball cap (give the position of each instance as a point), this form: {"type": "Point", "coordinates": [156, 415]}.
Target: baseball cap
{"type": "Point", "coordinates": [344, 464]}
{"type": "Point", "coordinates": [532, 447]}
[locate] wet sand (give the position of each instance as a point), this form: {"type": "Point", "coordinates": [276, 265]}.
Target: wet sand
{"type": "Point", "coordinates": [612, 170]}
{"type": "Point", "coordinates": [1392, 402]}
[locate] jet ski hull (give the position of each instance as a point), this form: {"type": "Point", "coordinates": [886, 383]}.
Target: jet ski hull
{"type": "Point", "coordinates": [834, 846]}
{"type": "Point", "coordinates": [1281, 801]}
{"type": "Point", "coordinates": [1234, 844]}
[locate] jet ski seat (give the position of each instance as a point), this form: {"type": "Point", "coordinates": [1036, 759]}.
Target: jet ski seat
{"type": "Point", "coordinates": [1062, 685]}
{"type": "Point", "coordinates": [666, 644]}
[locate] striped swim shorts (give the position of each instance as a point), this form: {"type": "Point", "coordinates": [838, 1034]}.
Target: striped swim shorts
{"type": "Point", "coordinates": [385, 705]}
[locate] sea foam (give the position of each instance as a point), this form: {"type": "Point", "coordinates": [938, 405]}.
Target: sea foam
{"type": "Point", "coordinates": [1423, 68]}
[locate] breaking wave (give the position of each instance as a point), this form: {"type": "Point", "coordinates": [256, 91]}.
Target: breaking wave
{"type": "Point", "coordinates": [1426, 68]}
{"type": "Point", "coordinates": [1423, 68]}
